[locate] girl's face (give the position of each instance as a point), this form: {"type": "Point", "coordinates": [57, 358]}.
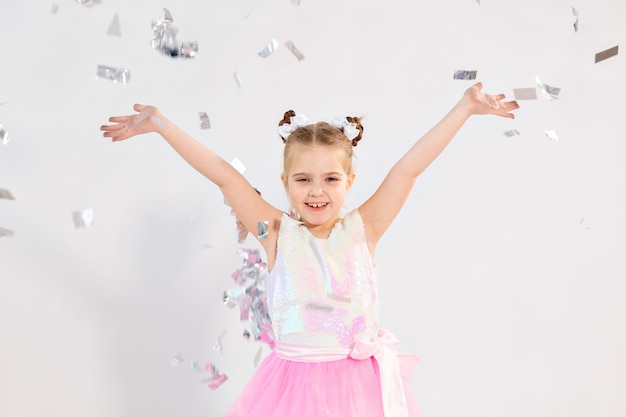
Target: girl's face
{"type": "Point", "coordinates": [317, 184]}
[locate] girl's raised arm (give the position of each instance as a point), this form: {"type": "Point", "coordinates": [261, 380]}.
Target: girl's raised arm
{"type": "Point", "coordinates": [248, 205]}
{"type": "Point", "coordinates": [379, 210]}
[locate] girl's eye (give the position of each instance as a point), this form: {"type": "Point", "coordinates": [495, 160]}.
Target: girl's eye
{"type": "Point", "coordinates": [302, 179]}
{"type": "Point", "coordinates": [331, 179]}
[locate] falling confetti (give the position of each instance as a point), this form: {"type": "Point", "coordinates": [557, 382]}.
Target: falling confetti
{"type": "Point", "coordinates": [237, 80]}
{"type": "Point", "coordinates": [164, 39]}
{"type": "Point", "coordinates": [575, 12]}
{"type": "Point", "coordinates": [117, 75]}
{"type": "Point", "coordinates": [4, 135]}
{"type": "Point", "coordinates": [606, 54]}
{"type": "Point", "coordinates": [292, 48]}
{"type": "Point", "coordinates": [158, 121]}
{"type": "Point", "coordinates": [6, 194]}
{"type": "Point", "coordinates": [55, 9]}
{"type": "Point", "coordinates": [295, 2]}
{"type": "Point", "coordinates": [213, 377]}
{"type": "Point", "coordinates": [511, 133]}
{"type": "Point", "coordinates": [269, 49]}
{"type": "Point", "coordinates": [204, 120]}
{"type": "Point", "coordinates": [89, 3]}
{"type": "Point", "coordinates": [549, 92]}
{"type": "Point", "coordinates": [246, 334]}
{"type": "Point", "coordinates": [263, 229]}
{"type": "Point", "coordinates": [114, 27]}
{"type": "Point", "coordinates": [218, 344]}
{"type": "Point", "coordinates": [177, 360]}
{"type": "Point", "coordinates": [238, 165]}
{"type": "Point", "coordinates": [257, 356]}
{"type": "Point", "coordinates": [465, 74]}
{"type": "Point", "coordinates": [83, 218]}
{"type": "Point", "coordinates": [525, 93]}
{"type": "Point", "coordinates": [551, 134]}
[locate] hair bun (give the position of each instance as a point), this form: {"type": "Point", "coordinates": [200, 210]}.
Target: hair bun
{"type": "Point", "coordinates": [286, 120]}
{"type": "Point", "coordinates": [359, 126]}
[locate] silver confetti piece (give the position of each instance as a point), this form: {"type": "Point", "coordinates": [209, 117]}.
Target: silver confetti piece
{"type": "Point", "coordinates": [511, 133]}
{"type": "Point", "coordinates": [218, 344]}
{"type": "Point", "coordinates": [117, 75]}
{"type": "Point", "coordinates": [204, 120]}
{"type": "Point", "coordinates": [319, 307]}
{"type": "Point", "coordinates": [606, 54]}
{"type": "Point", "coordinates": [164, 39]}
{"type": "Point", "coordinates": [525, 93]}
{"type": "Point", "coordinates": [246, 334]}
{"type": "Point", "coordinates": [551, 134]}
{"type": "Point", "coordinates": [6, 194]}
{"type": "Point", "coordinates": [4, 135]}
{"type": "Point", "coordinates": [177, 360]}
{"type": "Point", "coordinates": [295, 2]}
{"type": "Point", "coordinates": [55, 9]}
{"type": "Point", "coordinates": [269, 49]}
{"type": "Point", "coordinates": [229, 300]}
{"type": "Point", "coordinates": [465, 74]}
{"type": "Point", "coordinates": [238, 165]}
{"type": "Point", "coordinates": [237, 79]}
{"type": "Point", "coordinates": [158, 121]}
{"type": "Point", "coordinates": [549, 92]}
{"type": "Point", "coordinates": [206, 246]}
{"type": "Point", "coordinates": [292, 48]}
{"type": "Point", "coordinates": [263, 229]}
{"type": "Point", "coordinates": [89, 3]}
{"type": "Point", "coordinates": [83, 218]}
{"type": "Point", "coordinates": [575, 12]}
{"type": "Point", "coordinates": [257, 356]}
{"type": "Point", "coordinates": [114, 27]}
{"type": "Point", "coordinates": [6, 232]}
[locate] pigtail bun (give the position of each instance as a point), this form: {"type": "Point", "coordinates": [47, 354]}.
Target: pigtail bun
{"type": "Point", "coordinates": [359, 126]}
{"type": "Point", "coordinates": [286, 120]}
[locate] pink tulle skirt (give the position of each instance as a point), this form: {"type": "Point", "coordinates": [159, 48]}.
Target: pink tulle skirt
{"type": "Point", "coordinates": [342, 388]}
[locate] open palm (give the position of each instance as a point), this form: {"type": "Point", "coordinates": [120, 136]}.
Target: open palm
{"type": "Point", "coordinates": [145, 120]}
{"type": "Point", "coordinates": [481, 103]}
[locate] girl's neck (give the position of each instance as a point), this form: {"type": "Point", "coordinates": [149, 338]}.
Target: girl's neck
{"type": "Point", "coordinates": [322, 231]}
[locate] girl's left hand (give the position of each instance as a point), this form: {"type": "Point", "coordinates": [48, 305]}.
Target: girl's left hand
{"type": "Point", "coordinates": [481, 103]}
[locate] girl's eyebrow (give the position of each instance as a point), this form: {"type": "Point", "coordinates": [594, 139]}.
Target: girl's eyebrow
{"type": "Point", "coordinates": [335, 173]}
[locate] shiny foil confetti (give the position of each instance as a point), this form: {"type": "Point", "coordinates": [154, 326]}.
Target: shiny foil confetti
{"type": "Point", "coordinates": [114, 27]}
{"type": "Point", "coordinates": [55, 9]}
{"type": "Point", "coordinates": [117, 75]}
{"type": "Point", "coordinates": [549, 92]}
{"type": "Point", "coordinates": [6, 194]}
{"type": "Point", "coordinates": [263, 230]}
{"type": "Point", "coordinates": [551, 134]}
{"type": "Point", "coordinates": [250, 295]}
{"type": "Point", "coordinates": [83, 218]}
{"type": "Point", "coordinates": [575, 12]}
{"type": "Point", "coordinates": [164, 39]}
{"type": "Point", "coordinates": [6, 232]}
{"type": "Point", "coordinates": [269, 49]}
{"type": "Point", "coordinates": [511, 133]}
{"type": "Point", "coordinates": [204, 120]}
{"type": "Point", "coordinates": [237, 80]}
{"type": "Point", "coordinates": [465, 74]}
{"type": "Point", "coordinates": [212, 376]}
{"type": "Point", "coordinates": [246, 334]}
{"type": "Point", "coordinates": [218, 344]}
{"type": "Point", "coordinates": [238, 165]}
{"type": "Point", "coordinates": [229, 300]}
{"type": "Point", "coordinates": [292, 48]}
{"type": "Point", "coordinates": [177, 360]}
{"type": "Point", "coordinates": [4, 135]}
{"type": "Point", "coordinates": [257, 356]}
{"type": "Point", "coordinates": [525, 93]}
{"type": "Point", "coordinates": [89, 3]}
{"type": "Point", "coordinates": [158, 121]}
{"type": "Point", "coordinates": [606, 54]}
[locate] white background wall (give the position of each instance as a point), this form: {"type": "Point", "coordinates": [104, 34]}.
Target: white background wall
{"type": "Point", "coordinates": [505, 272]}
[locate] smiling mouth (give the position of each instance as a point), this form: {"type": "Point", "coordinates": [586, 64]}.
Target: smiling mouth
{"type": "Point", "coordinates": [316, 205]}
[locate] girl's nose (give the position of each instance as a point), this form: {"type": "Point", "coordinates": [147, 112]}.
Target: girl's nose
{"type": "Point", "coordinates": [315, 189]}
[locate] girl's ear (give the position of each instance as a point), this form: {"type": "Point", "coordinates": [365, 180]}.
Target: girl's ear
{"type": "Point", "coordinates": [350, 180]}
{"type": "Point", "coordinates": [283, 178]}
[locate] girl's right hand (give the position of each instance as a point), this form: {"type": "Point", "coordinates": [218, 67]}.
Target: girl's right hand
{"type": "Point", "coordinates": [147, 119]}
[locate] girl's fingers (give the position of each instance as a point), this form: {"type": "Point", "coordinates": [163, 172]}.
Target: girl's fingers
{"type": "Point", "coordinates": [112, 128]}
{"type": "Point", "coordinates": [118, 119]}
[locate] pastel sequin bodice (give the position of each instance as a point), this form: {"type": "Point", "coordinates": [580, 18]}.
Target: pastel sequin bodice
{"type": "Point", "coordinates": [323, 291]}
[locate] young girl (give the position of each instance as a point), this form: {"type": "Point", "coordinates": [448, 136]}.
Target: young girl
{"type": "Point", "coordinates": [331, 357]}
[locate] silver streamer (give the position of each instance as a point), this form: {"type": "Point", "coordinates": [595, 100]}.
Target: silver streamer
{"type": "Point", "coordinates": [237, 80]}
{"type": "Point", "coordinates": [114, 27]}
{"type": "Point", "coordinates": [218, 344]}
{"type": "Point", "coordinates": [551, 134]}
{"type": "Point", "coordinates": [205, 123]}
{"type": "Point", "coordinates": [606, 54]}
{"type": "Point", "coordinates": [6, 194]}
{"type": "Point", "coordinates": [465, 74]}
{"type": "Point", "coordinates": [269, 49]}
{"type": "Point", "coordinates": [6, 232]}
{"type": "Point", "coordinates": [292, 48]}
{"type": "Point", "coordinates": [83, 218]}
{"type": "Point", "coordinates": [117, 75]}
{"type": "Point", "coordinates": [4, 135]}
{"type": "Point", "coordinates": [55, 9]}
{"type": "Point", "coordinates": [575, 12]}
{"type": "Point", "coordinates": [164, 39]}
{"type": "Point", "coordinates": [511, 133]}
{"type": "Point", "coordinates": [257, 356]}
{"type": "Point", "coordinates": [549, 92]}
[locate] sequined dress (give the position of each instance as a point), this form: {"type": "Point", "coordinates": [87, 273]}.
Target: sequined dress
{"type": "Point", "coordinates": [331, 358]}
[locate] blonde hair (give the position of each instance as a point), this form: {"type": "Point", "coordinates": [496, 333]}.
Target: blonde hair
{"type": "Point", "coordinates": [323, 134]}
